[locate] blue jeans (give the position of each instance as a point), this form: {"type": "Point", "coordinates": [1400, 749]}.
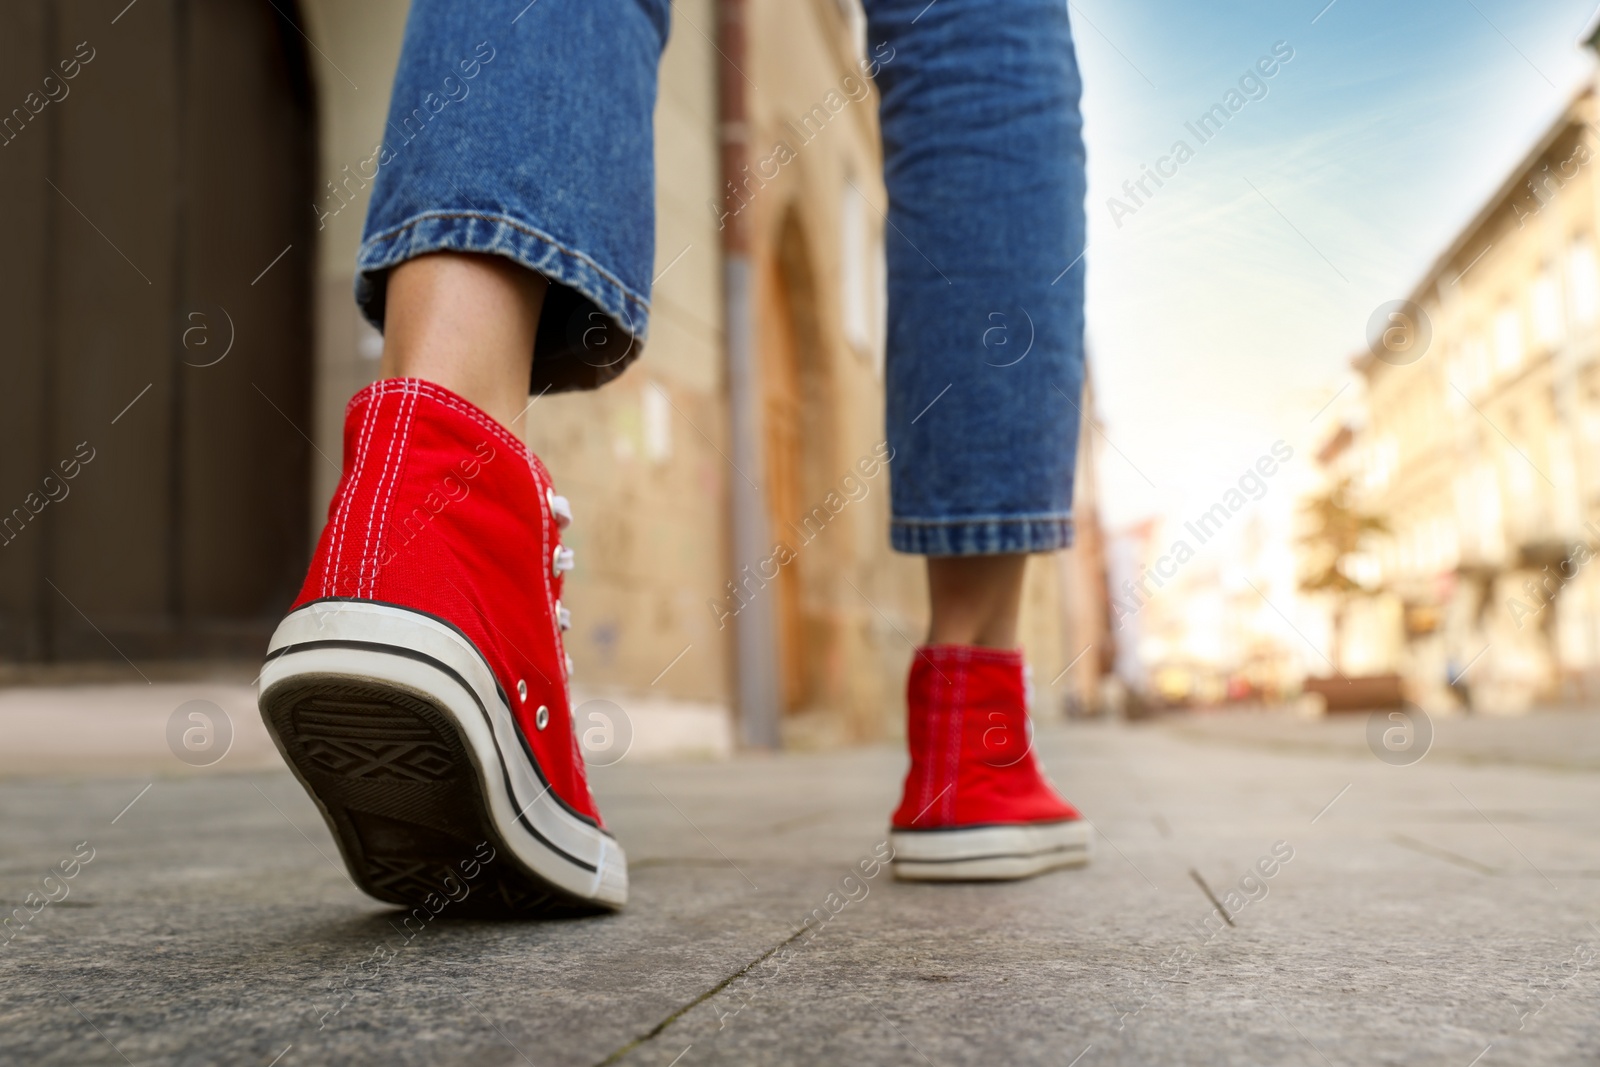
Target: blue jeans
{"type": "Point", "coordinates": [532, 139]}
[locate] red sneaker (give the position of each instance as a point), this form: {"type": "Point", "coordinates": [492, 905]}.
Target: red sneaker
{"type": "Point", "coordinates": [418, 687]}
{"type": "Point", "coordinates": [975, 805]}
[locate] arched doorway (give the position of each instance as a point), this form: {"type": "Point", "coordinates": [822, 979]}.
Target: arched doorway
{"type": "Point", "coordinates": [157, 182]}
{"type": "Point", "coordinates": [798, 438]}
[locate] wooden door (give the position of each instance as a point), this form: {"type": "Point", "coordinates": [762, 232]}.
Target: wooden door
{"type": "Point", "coordinates": [155, 290]}
{"type": "Point", "coordinates": [798, 437]}
{"type": "Point", "coordinates": [784, 440]}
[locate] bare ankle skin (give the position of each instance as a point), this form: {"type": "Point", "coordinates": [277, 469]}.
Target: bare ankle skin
{"type": "Point", "coordinates": [466, 322]}
{"type": "Point", "coordinates": [976, 599]}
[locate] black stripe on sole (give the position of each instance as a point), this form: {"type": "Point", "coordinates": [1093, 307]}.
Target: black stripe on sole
{"type": "Point", "coordinates": [402, 795]}
{"type": "Point", "coordinates": [971, 827]}
{"type": "Point", "coordinates": [1052, 851]}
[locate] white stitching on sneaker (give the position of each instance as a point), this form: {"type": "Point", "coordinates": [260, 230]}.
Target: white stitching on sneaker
{"type": "Point", "coordinates": [330, 576]}
{"type": "Point", "coordinates": [438, 393]}
{"type": "Point", "coordinates": [454, 403]}
{"type": "Point", "coordinates": [378, 490]}
{"type": "Point", "coordinates": [958, 716]}
{"type": "Point", "coordinates": [383, 475]}
{"type": "Point", "coordinates": [410, 396]}
{"type": "Point", "coordinates": [938, 729]}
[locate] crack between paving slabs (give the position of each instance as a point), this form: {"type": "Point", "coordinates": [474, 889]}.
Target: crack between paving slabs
{"type": "Point", "coordinates": [661, 1027]}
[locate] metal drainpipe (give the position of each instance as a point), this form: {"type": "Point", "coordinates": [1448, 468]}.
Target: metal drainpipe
{"type": "Point", "coordinates": [755, 644]}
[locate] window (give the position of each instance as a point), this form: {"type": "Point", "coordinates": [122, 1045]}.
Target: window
{"type": "Point", "coordinates": [1489, 512]}
{"type": "Point", "coordinates": [657, 424]}
{"type": "Point", "coordinates": [1507, 339]}
{"type": "Point", "coordinates": [853, 272]}
{"type": "Point", "coordinates": [1583, 281]}
{"type": "Point", "coordinates": [1549, 323]}
{"type": "Point", "coordinates": [861, 274]}
{"type": "Point", "coordinates": [1469, 370]}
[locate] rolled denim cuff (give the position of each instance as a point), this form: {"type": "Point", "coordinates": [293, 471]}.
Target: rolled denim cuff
{"type": "Point", "coordinates": [990, 535]}
{"type": "Point", "coordinates": [983, 160]}
{"type": "Point", "coordinates": [506, 136]}
{"type": "Point", "coordinates": [592, 325]}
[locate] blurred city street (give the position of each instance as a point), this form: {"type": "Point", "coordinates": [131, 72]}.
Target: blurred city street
{"type": "Point", "coordinates": [1436, 912]}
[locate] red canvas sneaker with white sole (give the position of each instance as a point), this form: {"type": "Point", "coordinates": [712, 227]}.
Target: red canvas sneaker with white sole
{"type": "Point", "coordinates": [418, 686]}
{"type": "Point", "coordinates": [976, 807]}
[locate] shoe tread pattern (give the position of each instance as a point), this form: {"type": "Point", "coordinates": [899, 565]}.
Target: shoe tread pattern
{"type": "Point", "coordinates": [400, 790]}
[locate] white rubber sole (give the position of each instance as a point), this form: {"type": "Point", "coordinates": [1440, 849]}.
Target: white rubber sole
{"type": "Point", "coordinates": [394, 723]}
{"type": "Point", "coordinates": [988, 853]}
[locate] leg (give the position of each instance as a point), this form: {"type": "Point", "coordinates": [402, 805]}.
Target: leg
{"type": "Point", "coordinates": [975, 599]}
{"type": "Point", "coordinates": [418, 685]}
{"type": "Point", "coordinates": [983, 159]}
{"type": "Point", "coordinates": [984, 164]}
{"type": "Point", "coordinates": [468, 323]}
{"type": "Point", "coordinates": [501, 141]}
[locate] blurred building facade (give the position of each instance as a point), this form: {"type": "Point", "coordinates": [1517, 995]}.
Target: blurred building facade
{"type": "Point", "coordinates": [656, 594]}
{"type": "Point", "coordinates": [1477, 441]}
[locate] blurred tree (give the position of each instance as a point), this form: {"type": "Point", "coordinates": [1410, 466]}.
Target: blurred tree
{"type": "Point", "coordinates": [1339, 530]}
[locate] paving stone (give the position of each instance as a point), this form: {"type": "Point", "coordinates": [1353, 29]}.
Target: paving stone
{"type": "Point", "coordinates": [1439, 913]}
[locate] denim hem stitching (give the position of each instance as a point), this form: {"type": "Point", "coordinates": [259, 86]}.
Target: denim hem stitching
{"type": "Point", "coordinates": [369, 260]}
{"type": "Point", "coordinates": [981, 536]}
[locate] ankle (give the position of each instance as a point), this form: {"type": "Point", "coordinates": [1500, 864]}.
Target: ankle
{"type": "Point", "coordinates": [972, 637]}
{"type": "Point", "coordinates": [975, 600]}
{"type": "Point", "coordinates": [467, 323]}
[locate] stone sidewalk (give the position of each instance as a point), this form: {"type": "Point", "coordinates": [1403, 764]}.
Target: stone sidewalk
{"type": "Point", "coordinates": [1438, 913]}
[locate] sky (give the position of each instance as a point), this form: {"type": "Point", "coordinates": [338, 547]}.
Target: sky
{"type": "Point", "coordinates": [1224, 309]}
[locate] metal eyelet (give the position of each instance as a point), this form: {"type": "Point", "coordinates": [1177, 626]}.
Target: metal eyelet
{"type": "Point", "coordinates": [541, 718]}
{"type": "Point", "coordinates": [522, 689]}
